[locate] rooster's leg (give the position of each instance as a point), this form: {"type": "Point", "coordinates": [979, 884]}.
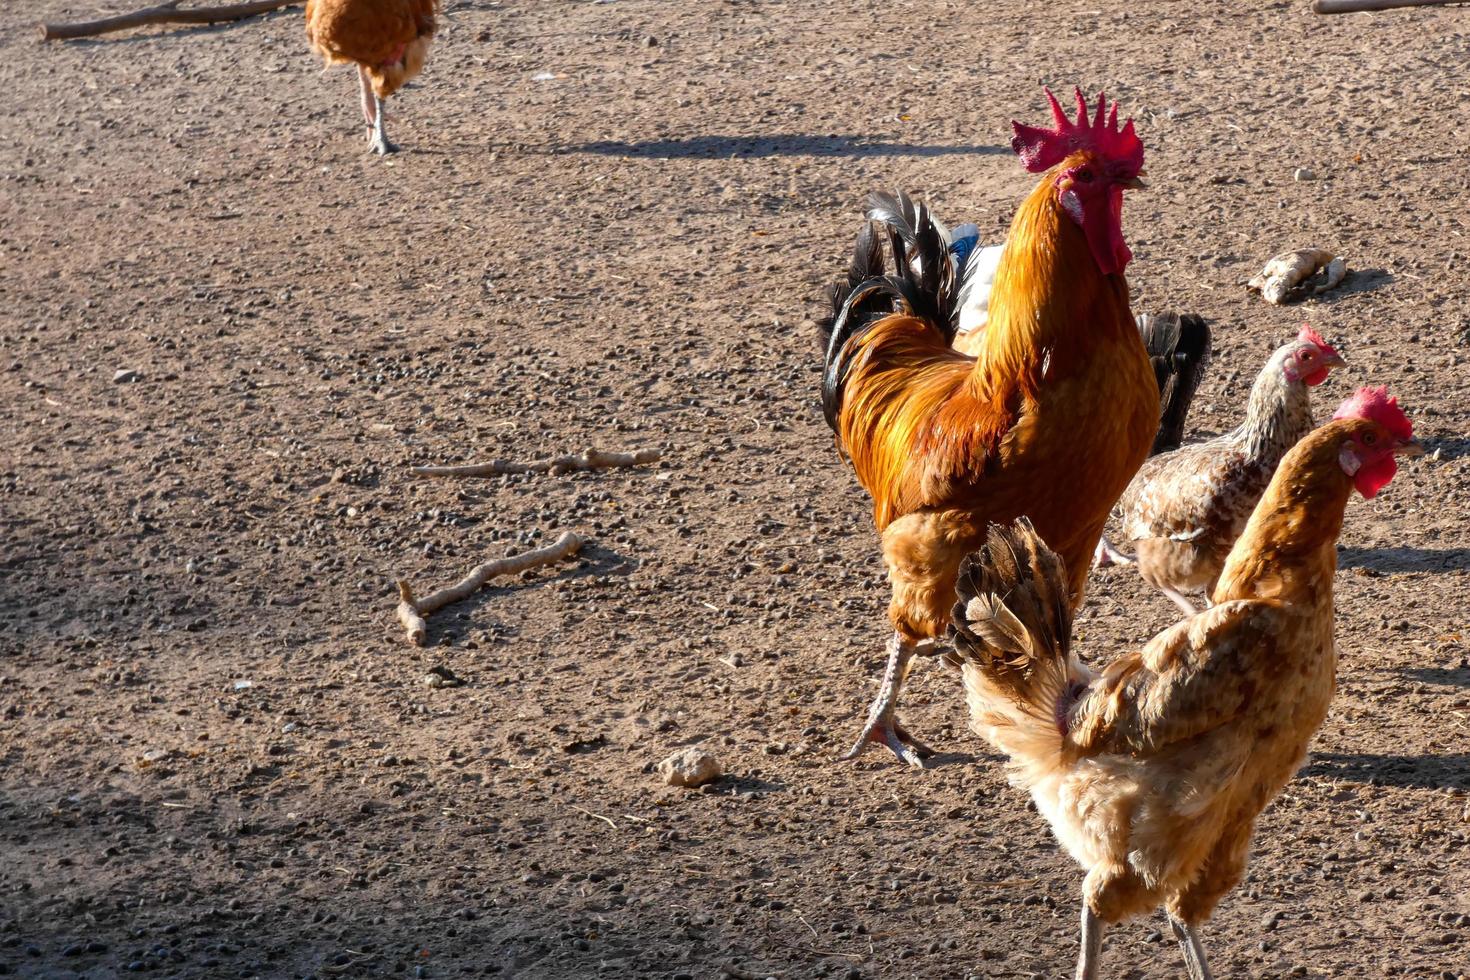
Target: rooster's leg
{"type": "Point", "coordinates": [1092, 931]}
{"type": "Point", "coordinates": [1106, 554]}
{"type": "Point", "coordinates": [883, 726]}
{"type": "Point", "coordinates": [1194, 950]}
{"type": "Point", "coordinates": [1180, 599]}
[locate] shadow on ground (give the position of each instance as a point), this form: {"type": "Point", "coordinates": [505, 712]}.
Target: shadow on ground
{"type": "Point", "coordinates": [796, 145]}
{"type": "Point", "coordinates": [1422, 771]}
{"type": "Point", "coordinates": [1405, 559]}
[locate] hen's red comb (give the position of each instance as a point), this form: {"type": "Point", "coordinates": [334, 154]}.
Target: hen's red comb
{"type": "Point", "coordinates": [1376, 404]}
{"type": "Point", "coordinates": [1310, 336]}
{"type": "Point", "coordinates": [1042, 149]}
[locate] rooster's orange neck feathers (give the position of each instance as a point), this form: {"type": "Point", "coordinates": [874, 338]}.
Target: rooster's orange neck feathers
{"type": "Point", "coordinates": [1051, 306]}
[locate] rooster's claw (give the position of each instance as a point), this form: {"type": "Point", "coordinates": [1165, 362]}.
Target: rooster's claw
{"type": "Point", "coordinates": [888, 731]}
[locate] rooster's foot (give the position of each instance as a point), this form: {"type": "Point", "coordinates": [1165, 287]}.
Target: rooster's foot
{"type": "Point", "coordinates": [883, 726]}
{"type": "Point", "coordinates": [890, 732]}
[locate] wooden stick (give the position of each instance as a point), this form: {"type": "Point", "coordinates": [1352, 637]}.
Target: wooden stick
{"type": "Point", "coordinates": [1353, 6]}
{"type": "Point", "coordinates": [411, 611]}
{"type": "Point", "coordinates": [164, 13]}
{"type": "Point", "coordinates": [592, 459]}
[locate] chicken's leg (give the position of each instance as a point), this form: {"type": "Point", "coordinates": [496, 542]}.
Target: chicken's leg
{"type": "Point", "coordinates": [1194, 950]}
{"type": "Point", "coordinates": [1091, 956]}
{"type": "Point", "coordinates": [1180, 599]}
{"type": "Point", "coordinates": [372, 111]}
{"type": "Point", "coordinates": [1105, 554]}
{"type": "Point", "coordinates": [883, 725]}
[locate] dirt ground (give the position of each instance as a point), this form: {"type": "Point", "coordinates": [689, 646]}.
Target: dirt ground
{"type": "Point", "coordinates": [220, 758]}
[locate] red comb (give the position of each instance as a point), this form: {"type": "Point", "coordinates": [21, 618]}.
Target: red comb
{"type": "Point", "coordinates": [1042, 149]}
{"type": "Point", "coordinates": [1376, 404]}
{"type": "Point", "coordinates": [1310, 336]}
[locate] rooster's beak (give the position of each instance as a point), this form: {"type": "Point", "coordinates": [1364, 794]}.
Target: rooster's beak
{"type": "Point", "coordinates": [1409, 447]}
{"type": "Point", "coordinates": [1136, 184]}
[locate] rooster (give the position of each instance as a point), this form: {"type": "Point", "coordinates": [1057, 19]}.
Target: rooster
{"type": "Point", "coordinates": [946, 443]}
{"type": "Point", "coordinates": [1152, 772]}
{"type": "Point", "coordinates": [1185, 508]}
{"type": "Point", "coordinates": [388, 39]}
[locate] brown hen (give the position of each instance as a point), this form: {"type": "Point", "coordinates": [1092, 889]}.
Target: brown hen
{"type": "Point", "coordinates": [1153, 771]}
{"type": "Point", "coordinates": [387, 39]}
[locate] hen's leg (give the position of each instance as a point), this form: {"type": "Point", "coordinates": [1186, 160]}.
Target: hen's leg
{"type": "Point", "coordinates": [1091, 956]}
{"type": "Point", "coordinates": [380, 143]}
{"type": "Point", "coordinates": [369, 100]}
{"type": "Point", "coordinates": [883, 725]}
{"type": "Point", "coordinates": [1105, 554]}
{"type": "Point", "coordinates": [1194, 950]}
{"type": "Point", "coordinates": [1180, 599]}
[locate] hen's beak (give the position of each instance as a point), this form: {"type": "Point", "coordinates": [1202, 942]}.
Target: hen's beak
{"type": "Point", "coordinates": [1136, 184]}
{"type": "Point", "coordinates": [1334, 360]}
{"type": "Point", "coordinates": [1409, 447]}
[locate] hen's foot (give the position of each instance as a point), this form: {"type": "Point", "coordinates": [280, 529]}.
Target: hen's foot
{"type": "Point", "coordinates": [378, 138]}
{"type": "Point", "coordinates": [1105, 554]}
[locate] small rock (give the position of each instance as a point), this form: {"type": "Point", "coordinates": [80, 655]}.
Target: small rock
{"type": "Point", "coordinates": [441, 676]}
{"type": "Point", "coordinates": [690, 766]}
{"type": "Point", "coordinates": [650, 41]}
{"type": "Point", "coordinates": [1302, 173]}
{"type": "Point", "coordinates": [124, 376]}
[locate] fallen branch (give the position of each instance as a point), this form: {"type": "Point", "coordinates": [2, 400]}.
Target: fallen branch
{"type": "Point", "coordinates": [592, 459]}
{"type": "Point", "coordinates": [411, 611]}
{"type": "Point", "coordinates": [164, 13]}
{"type": "Point", "coordinates": [1354, 6]}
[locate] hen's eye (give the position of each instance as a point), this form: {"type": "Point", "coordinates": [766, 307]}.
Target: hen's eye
{"type": "Point", "coordinates": [1369, 438]}
{"type": "Point", "coordinates": [1084, 175]}
{"type": "Point", "coordinates": [1307, 355]}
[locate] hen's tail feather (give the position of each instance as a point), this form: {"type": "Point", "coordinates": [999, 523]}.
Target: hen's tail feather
{"type": "Point", "coordinates": [1179, 347]}
{"type": "Point", "coordinates": [922, 284]}
{"type": "Point", "coordinates": [1013, 621]}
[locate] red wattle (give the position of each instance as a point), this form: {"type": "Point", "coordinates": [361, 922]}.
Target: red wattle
{"type": "Point", "coordinates": [1105, 233]}
{"type": "Point", "coordinates": [1316, 377]}
{"type": "Point", "coordinates": [1373, 477]}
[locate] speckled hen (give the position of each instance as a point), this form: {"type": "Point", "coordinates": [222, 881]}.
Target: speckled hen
{"type": "Point", "coordinates": [1184, 509]}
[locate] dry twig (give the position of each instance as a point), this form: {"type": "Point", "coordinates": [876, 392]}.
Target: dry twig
{"type": "Point", "coordinates": [1354, 6]}
{"type": "Point", "coordinates": [411, 611]}
{"type": "Point", "coordinates": [164, 13]}
{"type": "Point", "coordinates": [595, 816]}
{"type": "Point", "coordinates": [592, 459]}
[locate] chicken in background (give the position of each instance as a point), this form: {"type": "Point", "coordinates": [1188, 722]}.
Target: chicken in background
{"type": "Point", "coordinates": [387, 39]}
{"type": "Point", "coordinates": [946, 443]}
{"type": "Point", "coordinates": [1185, 508]}
{"type": "Point", "coordinates": [1152, 772]}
